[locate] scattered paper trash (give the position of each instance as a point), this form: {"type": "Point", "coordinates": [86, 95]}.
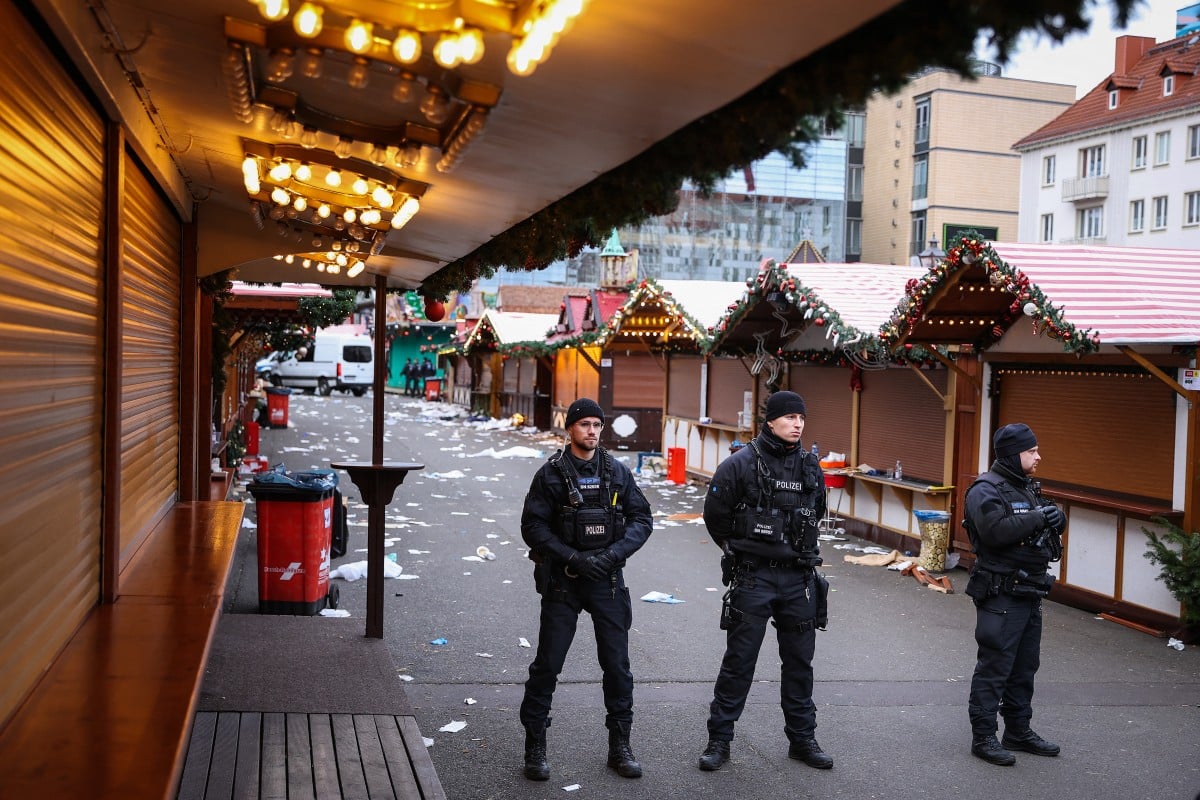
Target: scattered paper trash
{"type": "Point", "coordinates": [358, 569]}
{"type": "Point", "coordinates": [1176, 643]}
{"type": "Point", "coordinates": [484, 553]}
{"type": "Point", "coordinates": [484, 655]}
{"type": "Point", "coordinates": [334, 612]}
{"type": "Point", "coordinates": [523, 642]}
{"type": "Point", "coordinates": [438, 641]}
{"type": "Point", "coordinates": [470, 701]}
{"type": "Point", "coordinates": [454, 726]}
{"type": "Point", "coordinates": [574, 787]}
{"type": "Point", "coordinates": [405, 677]}
{"type": "Point", "coordinates": [428, 742]}
{"type": "Point", "coordinates": [660, 597]}
{"type": "Point", "coordinates": [472, 558]}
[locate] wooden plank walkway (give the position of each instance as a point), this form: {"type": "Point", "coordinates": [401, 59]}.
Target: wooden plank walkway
{"type": "Point", "coordinates": [297, 756]}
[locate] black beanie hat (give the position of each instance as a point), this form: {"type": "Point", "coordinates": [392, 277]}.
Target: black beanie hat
{"type": "Point", "coordinates": [581, 409]}
{"type": "Point", "coordinates": [782, 403]}
{"type": "Point", "coordinates": [1013, 439]}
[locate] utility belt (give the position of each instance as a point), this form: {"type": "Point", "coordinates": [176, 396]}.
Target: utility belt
{"type": "Point", "coordinates": [1018, 583]}
{"type": "Point", "coordinates": [758, 562]}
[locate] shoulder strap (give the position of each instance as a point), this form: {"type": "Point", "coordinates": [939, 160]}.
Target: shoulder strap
{"type": "Point", "coordinates": [569, 476]}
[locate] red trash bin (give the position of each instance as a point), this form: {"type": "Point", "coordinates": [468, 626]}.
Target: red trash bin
{"type": "Point", "coordinates": [295, 527]}
{"type": "Point", "coordinates": [677, 465]}
{"type": "Point", "coordinates": [252, 438]}
{"type": "Point", "coordinates": [277, 406]}
{"type": "Point", "coordinates": [433, 389]}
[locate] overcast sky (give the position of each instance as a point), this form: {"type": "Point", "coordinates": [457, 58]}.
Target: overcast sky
{"type": "Point", "coordinates": [1087, 59]}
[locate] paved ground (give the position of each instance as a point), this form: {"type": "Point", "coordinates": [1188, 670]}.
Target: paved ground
{"type": "Point", "coordinates": [893, 669]}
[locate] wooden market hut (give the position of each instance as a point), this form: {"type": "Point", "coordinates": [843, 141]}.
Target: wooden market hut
{"type": "Point", "coordinates": [1092, 347]}
{"type": "Point", "coordinates": [512, 377]}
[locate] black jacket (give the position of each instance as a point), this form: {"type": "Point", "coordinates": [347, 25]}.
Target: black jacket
{"type": "Point", "coordinates": [1004, 516]}
{"type": "Point", "coordinates": [735, 484]}
{"type": "Point", "coordinates": [548, 495]}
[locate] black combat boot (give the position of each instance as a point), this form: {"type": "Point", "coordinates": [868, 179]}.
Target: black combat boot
{"type": "Point", "coordinates": [714, 756]}
{"type": "Point", "coordinates": [536, 766]}
{"type": "Point", "coordinates": [620, 754]}
{"type": "Point", "coordinates": [1028, 742]}
{"type": "Point", "coordinates": [808, 751]}
{"type": "Point", "coordinates": [987, 748]}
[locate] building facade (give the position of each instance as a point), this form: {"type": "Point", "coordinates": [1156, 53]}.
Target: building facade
{"type": "Point", "coordinates": [938, 158]}
{"type": "Point", "coordinates": [1122, 165]}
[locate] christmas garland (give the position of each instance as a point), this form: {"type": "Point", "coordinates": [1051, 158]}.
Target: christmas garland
{"type": "Point", "coordinates": [969, 250]}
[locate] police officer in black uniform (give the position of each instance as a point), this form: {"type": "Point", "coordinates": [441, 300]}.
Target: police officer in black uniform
{"type": "Point", "coordinates": [583, 516]}
{"type": "Point", "coordinates": [762, 508]}
{"type": "Point", "coordinates": [1015, 533]}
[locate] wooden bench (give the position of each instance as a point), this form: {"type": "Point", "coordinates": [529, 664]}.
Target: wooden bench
{"type": "Point", "coordinates": [111, 716]}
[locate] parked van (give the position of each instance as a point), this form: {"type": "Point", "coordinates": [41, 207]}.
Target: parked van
{"type": "Point", "coordinates": [337, 360]}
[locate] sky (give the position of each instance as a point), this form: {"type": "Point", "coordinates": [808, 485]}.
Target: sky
{"type": "Point", "coordinates": [1085, 60]}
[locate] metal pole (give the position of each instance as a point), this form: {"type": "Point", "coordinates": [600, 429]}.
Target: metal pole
{"type": "Point", "coordinates": [377, 510]}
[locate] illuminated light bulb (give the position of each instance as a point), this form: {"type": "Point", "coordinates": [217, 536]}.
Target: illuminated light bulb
{"type": "Point", "coordinates": [289, 259]}
{"type": "Point", "coordinates": [445, 52]}
{"type": "Point", "coordinates": [306, 263]}
{"type": "Point", "coordinates": [350, 215]}
{"type": "Point", "coordinates": [352, 247]}
{"type": "Point", "coordinates": [309, 20]}
{"type": "Point", "coordinates": [277, 258]}
{"type": "Point", "coordinates": [303, 172]}
{"type": "Point", "coordinates": [342, 148]}
{"type": "Point", "coordinates": [250, 175]}
{"type": "Point", "coordinates": [323, 212]}
{"type": "Point", "coordinates": [311, 63]}
{"type": "Point", "coordinates": [280, 196]}
{"type": "Point", "coordinates": [519, 62]}
{"type": "Point", "coordinates": [273, 10]}
{"type": "Point", "coordinates": [341, 260]}
{"type": "Point", "coordinates": [359, 36]}
{"type": "Point", "coordinates": [360, 185]}
{"type": "Point", "coordinates": [281, 172]}
{"type": "Point", "coordinates": [290, 130]}
{"type": "Point", "coordinates": [378, 155]}
{"type": "Point", "coordinates": [308, 138]}
{"type": "Point", "coordinates": [320, 266]}
{"type": "Point", "coordinates": [435, 105]}
{"type": "Point", "coordinates": [359, 74]}
{"type": "Point", "coordinates": [407, 211]}
{"type": "Point", "coordinates": [300, 203]}
{"type": "Point", "coordinates": [329, 255]}
{"type": "Point", "coordinates": [406, 88]}
{"type": "Point", "coordinates": [369, 217]}
{"type": "Point", "coordinates": [278, 120]}
{"type": "Point", "coordinates": [382, 197]}
{"type": "Point", "coordinates": [407, 47]}
{"type": "Point", "coordinates": [356, 270]}
{"type": "Point", "coordinates": [409, 155]}
{"type": "Point", "coordinates": [470, 45]}
{"type": "Point", "coordinates": [334, 269]}
{"type": "Point", "coordinates": [333, 178]}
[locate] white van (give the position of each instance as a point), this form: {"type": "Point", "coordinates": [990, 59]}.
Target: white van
{"type": "Point", "coordinates": [337, 360]}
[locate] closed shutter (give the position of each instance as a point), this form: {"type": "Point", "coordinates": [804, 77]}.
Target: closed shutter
{"type": "Point", "coordinates": [1108, 430]}
{"type": "Point", "coordinates": [51, 356]}
{"type": "Point", "coordinates": [827, 396]}
{"type": "Point", "coordinates": [511, 369]}
{"type": "Point", "coordinates": [728, 381]}
{"type": "Point", "coordinates": [150, 270]}
{"type": "Point", "coordinates": [902, 419]}
{"type": "Point", "coordinates": [683, 386]}
{"type": "Point", "coordinates": [638, 381]}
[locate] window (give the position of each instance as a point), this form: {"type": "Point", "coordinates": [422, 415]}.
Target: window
{"type": "Point", "coordinates": [1112, 99]}
{"type": "Point", "coordinates": [1139, 152]}
{"type": "Point", "coordinates": [854, 182]}
{"type": "Point", "coordinates": [1193, 141]}
{"type": "Point", "coordinates": [854, 237]}
{"type": "Point", "coordinates": [918, 233]}
{"type": "Point", "coordinates": [1137, 216]}
{"type": "Point", "coordinates": [1047, 228]}
{"type": "Point", "coordinates": [856, 125]}
{"type": "Point", "coordinates": [1168, 85]}
{"type": "Point", "coordinates": [922, 121]}
{"type": "Point", "coordinates": [1089, 222]}
{"type": "Point", "coordinates": [920, 188]}
{"type": "Point", "coordinates": [1191, 202]}
{"type": "Point", "coordinates": [1091, 162]}
{"type": "Point", "coordinates": [1160, 213]}
{"type": "Point", "coordinates": [1162, 147]}
{"type": "Point", "coordinates": [1048, 166]}
{"type": "Point", "coordinates": [826, 217]}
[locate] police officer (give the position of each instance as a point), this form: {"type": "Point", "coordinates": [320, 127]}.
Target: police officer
{"type": "Point", "coordinates": [583, 516]}
{"type": "Point", "coordinates": [1015, 535]}
{"type": "Point", "coordinates": [762, 508]}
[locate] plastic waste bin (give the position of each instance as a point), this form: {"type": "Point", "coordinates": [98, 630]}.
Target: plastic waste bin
{"type": "Point", "coordinates": [433, 389]}
{"type": "Point", "coordinates": [677, 465]}
{"type": "Point", "coordinates": [295, 526]}
{"type": "Point", "coordinates": [935, 539]}
{"type": "Point", "coordinates": [252, 438]}
{"type": "Point", "coordinates": [277, 406]}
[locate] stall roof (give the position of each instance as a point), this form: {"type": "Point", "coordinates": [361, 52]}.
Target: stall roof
{"type": "Point", "coordinates": [1128, 295]}
{"type": "Point", "coordinates": [704, 301]}
{"type": "Point", "coordinates": [507, 328]}
{"type": "Point", "coordinates": [242, 289]}
{"type": "Point", "coordinates": [864, 295]}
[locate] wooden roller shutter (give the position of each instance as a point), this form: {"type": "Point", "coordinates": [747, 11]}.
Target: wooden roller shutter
{"type": "Point", "coordinates": [1108, 430]}
{"type": "Point", "coordinates": [901, 418]}
{"type": "Point", "coordinates": [683, 386]}
{"type": "Point", "coordinates": [638, 381]}
{"type": "Point", "coordinates": [728, 381]}
{"type": "Point", "coordinates": [51, 356]}
{"type": "Point", "coordinates": [827, 396]}
{"type": "Point", "coordinates": [511, 371]}
{"type": "Point", "coordinates": [150, 270]}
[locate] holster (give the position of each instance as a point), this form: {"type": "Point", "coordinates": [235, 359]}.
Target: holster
{"type": "Point", "coordinates": [822, 584]}
{"type": "Point", "coordinates": [982, 584]}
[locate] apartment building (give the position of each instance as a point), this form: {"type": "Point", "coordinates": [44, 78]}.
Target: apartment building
{"type": "Point", "coordinates": [938, 158]}
{"type": "Point", "coordinates": [1122, 165]}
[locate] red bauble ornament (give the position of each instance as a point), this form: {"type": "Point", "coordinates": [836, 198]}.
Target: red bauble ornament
{"type": "Point", "coordinates": [435, 310]}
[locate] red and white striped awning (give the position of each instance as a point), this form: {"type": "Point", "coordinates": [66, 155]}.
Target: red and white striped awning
{"type": "Point", "coordinates": [1129, 295]}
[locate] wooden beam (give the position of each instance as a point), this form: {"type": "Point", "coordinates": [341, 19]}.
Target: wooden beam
{"type": "Point", "coordinates": [950, 364]}
{"type": "Point", "coordinates": [584, 355]}
{"type": "Point", "coordinates": [943, 397]}
{"type": "Point", "coordinates": [1155, 371]}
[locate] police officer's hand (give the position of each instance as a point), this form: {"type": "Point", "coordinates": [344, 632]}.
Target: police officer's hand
{"type": "Point", "coordinates": [609, 560]}
{"type": "Point", "coordinates": [592, 567]}
{"type": "Point", "coordinates": [1054, 517]}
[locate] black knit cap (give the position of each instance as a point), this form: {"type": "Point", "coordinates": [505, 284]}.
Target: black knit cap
{"type": "Point", "coordinates": [1013, 439]}
{"type": "Point", "coordinates": [582, 409]}
{"type": "Point", "coordinates": [782, 403]}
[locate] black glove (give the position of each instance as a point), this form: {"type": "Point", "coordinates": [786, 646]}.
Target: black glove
{"type": "Point", "coordinates": [574, 565]}
{"type": "Point", "coordinates": [1054, 517]}
{"type": "Point", "coordinates": [609, 560]}
{"type": "Point", "coordinates": [592, 567]}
